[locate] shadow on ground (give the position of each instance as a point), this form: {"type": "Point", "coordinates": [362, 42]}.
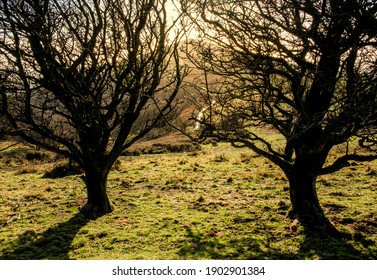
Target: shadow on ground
{"type": "Point", "coordinates": [54, 243]}
{"type": "Point", "coordinates": [330, 248]}
{"type": "Point", "coordinates": [312, 246]}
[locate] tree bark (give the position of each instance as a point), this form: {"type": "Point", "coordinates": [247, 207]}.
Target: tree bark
{"type": "Point", "coordinates": [96, 184]}
{"type": "Point", "coordinates": [305, 203]}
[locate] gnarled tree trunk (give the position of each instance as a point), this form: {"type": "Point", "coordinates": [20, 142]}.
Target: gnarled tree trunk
{"type": "Point", "coordinates": [96, 184]}
{"type": "Point", "coordinates": [303, 194]}
{"type": "Point", "coordinates": [305, 203]}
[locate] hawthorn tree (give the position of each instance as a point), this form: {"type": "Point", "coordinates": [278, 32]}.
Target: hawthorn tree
{"type": "Point", "coordinates": [307, 69]}
{"type": "Point", "coordinates": [2, 116]}
{"type": "Point", "coordinates": [86, 79]}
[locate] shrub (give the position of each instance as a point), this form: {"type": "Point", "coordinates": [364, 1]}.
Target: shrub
{"type": "Point", "coordinates": [36, 156]}
{"type": "Point", "coordinates": [62, 170]}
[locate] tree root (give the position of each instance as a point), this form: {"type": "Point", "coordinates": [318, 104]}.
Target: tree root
{"type": "Point", "coordinates": [93, 212]}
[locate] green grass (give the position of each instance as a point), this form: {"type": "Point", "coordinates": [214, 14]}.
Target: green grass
{"type": "Point", "coordinates": [217, 203]}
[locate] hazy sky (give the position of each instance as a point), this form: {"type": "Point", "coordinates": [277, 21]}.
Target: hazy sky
{"type": "Point", "coordinates": [170, 8]}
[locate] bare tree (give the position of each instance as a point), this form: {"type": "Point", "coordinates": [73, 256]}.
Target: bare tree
{"type": "Point", "coordinates": [306, 68]}
{"type": "Point", "coordinates": [81, 74]}
{"type": "Point", "coordinates": [3, 123]}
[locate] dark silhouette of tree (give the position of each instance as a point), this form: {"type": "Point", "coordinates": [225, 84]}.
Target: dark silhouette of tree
{"type": "Point", "coordinates": [307, 69]}
{"type": "Point", "coordinates": [86, 79]}
{"type": "Point", "coordinates": [3, 124]}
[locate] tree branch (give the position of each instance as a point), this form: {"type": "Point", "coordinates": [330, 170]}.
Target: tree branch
{"type": "Point", "coordinates": [344, 162]}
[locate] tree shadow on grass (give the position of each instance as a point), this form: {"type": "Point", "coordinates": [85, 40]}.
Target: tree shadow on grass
{"type": "Point", "coordinates": [54, 243]}
{"type": "Point", "coordinates": [311, 246]}
{"type": "Point", "coordinates": [329, 248]}
{"type": "Point", "coordinates": [199, 246]}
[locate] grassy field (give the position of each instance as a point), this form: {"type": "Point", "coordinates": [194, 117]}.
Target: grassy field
{"type": "Point", "coordinates": [214, 203]}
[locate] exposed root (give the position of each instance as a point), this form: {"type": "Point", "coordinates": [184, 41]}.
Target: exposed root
{"type": "Point", "coordinates": [93, 212]}
{"type": "Point", "coordinates": [316, 224]}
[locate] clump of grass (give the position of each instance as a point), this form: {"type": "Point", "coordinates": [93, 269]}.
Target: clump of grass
{"type": "Point", "coordinates": [371, 172]}
{"type": "Point", "coordinates": [247, 157]}
{"type": "Point", "coordinates": [201, 199]}
{"type": "Point", "coordinates": [79, 243]}
{"type": "Point", "coordinates": [220, 158]}
{"type": "Point", "coordinates": [35, 168]}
